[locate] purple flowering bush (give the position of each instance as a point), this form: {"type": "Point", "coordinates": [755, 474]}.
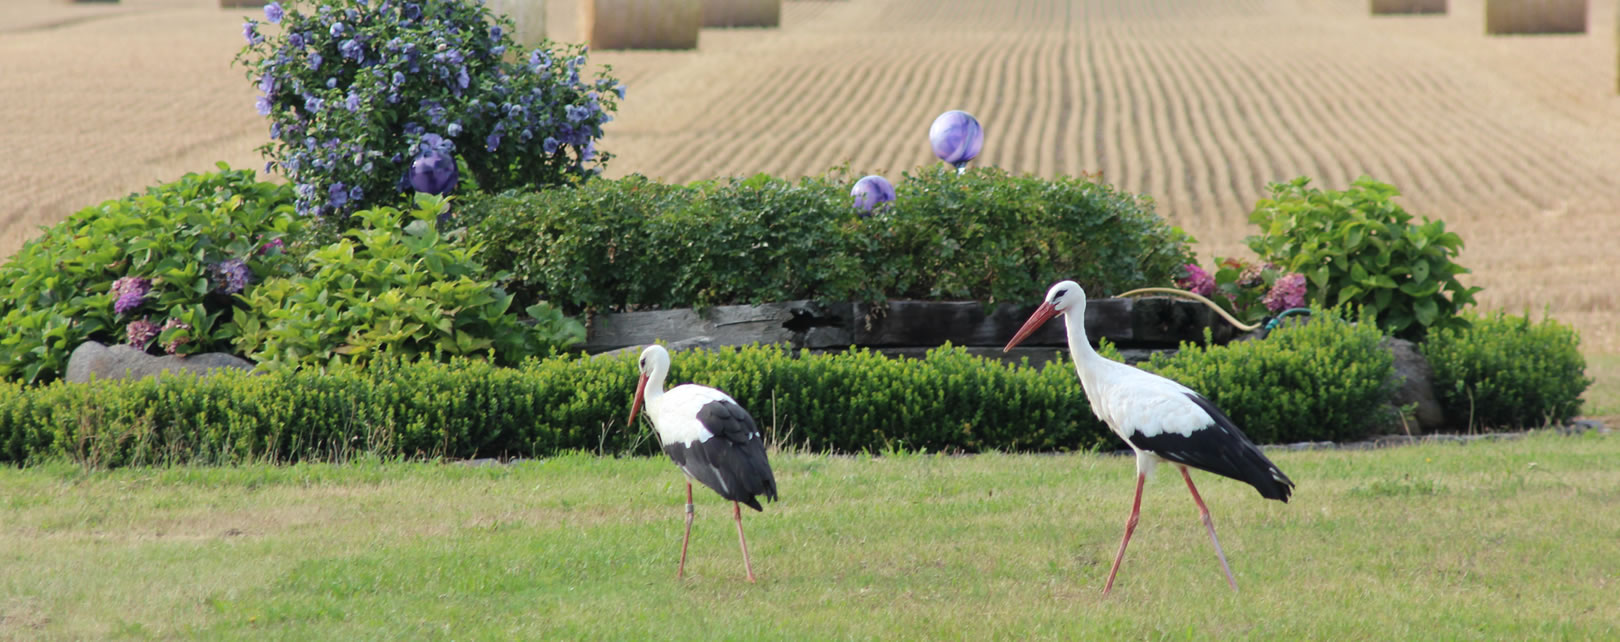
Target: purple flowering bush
{"type": "Point", "coordinates": [1250, 291]}
{"type": "Point", "coordinates": [158, 271]}
{"type": "Point", "coordinates": [357, 92]}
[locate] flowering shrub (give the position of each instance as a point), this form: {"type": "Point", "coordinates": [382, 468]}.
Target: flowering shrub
{"type": "Point", "coordinates": [1358, 246]}
{"type": "Point", "coordinates": [393, 286]}
{"type": "Point", "coordinates": [154, 271]}
{"type": "Point", "coordinates": [1250, 292]}
{"type": "Point", "coordinates": [357, 91]}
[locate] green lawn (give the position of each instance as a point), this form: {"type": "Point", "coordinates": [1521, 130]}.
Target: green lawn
{"type": "Point", "coordinates": [1509, 539]}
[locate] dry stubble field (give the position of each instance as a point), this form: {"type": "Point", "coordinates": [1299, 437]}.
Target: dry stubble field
{"type": "Point", "coordinates": [1514, 141]}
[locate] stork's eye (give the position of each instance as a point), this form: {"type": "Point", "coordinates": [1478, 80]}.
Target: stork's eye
{"type": "Point", "coordinates": [1059, 294]}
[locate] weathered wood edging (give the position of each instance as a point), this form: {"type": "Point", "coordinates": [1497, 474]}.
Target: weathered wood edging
{"type": "Point", "coordinates": [907, 327]}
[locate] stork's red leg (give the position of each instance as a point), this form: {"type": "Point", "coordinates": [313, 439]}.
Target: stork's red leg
{"type": "Point", "coordinates": [1130, 526]}
{"type": "Point", "coordinates": [1209, 524]}
{"type": "Point", "coordinates": [736, 511]}
{"type": "Point", "coordinates": [679, 571]}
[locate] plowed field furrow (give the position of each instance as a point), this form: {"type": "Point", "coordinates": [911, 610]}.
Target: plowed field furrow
{"type": "Point", "coordinates": [1202, 143]}
{"type": "Point", "coordinates": [1186, 141]}
{"type": "Point", "coordinates": [1229, 117]}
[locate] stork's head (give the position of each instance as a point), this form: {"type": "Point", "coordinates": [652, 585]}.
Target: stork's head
{"type": "Point", "coordinates": [654, 365]}
{"type": "Point", "coordinates": [1064, 298]}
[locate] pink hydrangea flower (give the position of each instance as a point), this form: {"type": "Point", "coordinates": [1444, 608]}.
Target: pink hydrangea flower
{"type": "Point", "coordinates": [1197, 280]}
{"type": "Point", "coordinates": [1287, 292]}
{"type": "Point", "coordinates": [141, 333]}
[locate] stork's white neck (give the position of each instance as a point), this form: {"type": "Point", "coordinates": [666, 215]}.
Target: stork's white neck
{"type": "Point", "coordinates": [655, 384]}
{"type": "Point", "coordinates": [1085, 357]}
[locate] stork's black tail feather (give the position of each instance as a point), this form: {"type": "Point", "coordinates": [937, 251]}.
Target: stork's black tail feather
{"type": "Point", "coordinates": [1222, 449]}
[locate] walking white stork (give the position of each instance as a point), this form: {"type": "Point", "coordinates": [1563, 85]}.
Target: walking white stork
{"type": "Point", "coordinates": [1160, 419]}
{"type": "Point", "coordinates": [711, 438]}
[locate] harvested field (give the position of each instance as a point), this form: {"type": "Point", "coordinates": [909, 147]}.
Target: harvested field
{"type": "Point", "coordinates": [1514, 141]}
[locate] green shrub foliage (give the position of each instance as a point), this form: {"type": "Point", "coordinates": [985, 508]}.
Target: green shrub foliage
{"type": "Point", "coordinates": [393, 286]}
{"type": "Point", "coordinates": [1507, 372]}
{"type": "Point", "coordinates": [177, 253]}
{"type": "Point", "coordinates": [1358, 247]}
{"type": "Point", "coordinates": [1323, 380]}
{"type": "Point", "coordinates": [985, 235]}
{"type": "Point", "coordinates": [843, 402]}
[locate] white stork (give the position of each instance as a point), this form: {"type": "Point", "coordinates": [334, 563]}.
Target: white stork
{"type": "Point", "coordinates": [711, 438]}
{"type": "Point", "coordinates": [1160, 419]}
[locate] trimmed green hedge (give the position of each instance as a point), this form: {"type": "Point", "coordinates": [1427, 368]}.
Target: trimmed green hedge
{"type": "Point", "coordinates": [1506, 372]}
{"type": "Point", "coordinates": [985, 235]}
{"type": "Point", "coordinates": [1323, 380]}
{"type": "Point", "coordinates": [1318, 381]}
{"type": "Point", "coordinates": [844, 402]}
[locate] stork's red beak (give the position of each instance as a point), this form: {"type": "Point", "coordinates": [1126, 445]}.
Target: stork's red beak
{"type": "Point", "coordinates": [635, 407]}
{"type": "Point", "coordinates": [1040, 317]}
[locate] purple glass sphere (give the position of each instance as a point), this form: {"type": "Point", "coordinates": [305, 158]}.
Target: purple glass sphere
{"type": "Point", "coordinates": [871, 191]}
{"type": "Point", "coordinates": [957, 137]}
{"type": "Point", "coordinates": [434, 172]}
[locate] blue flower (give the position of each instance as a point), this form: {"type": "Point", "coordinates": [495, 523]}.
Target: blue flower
{"type": "Point", "coordinates": [619, 90]}
{"type": "Point", "coordinates": [275, 130]}
{"type": "Point", "coordinates": [312, 104]}
{"type": "Point", "coordinates": [295, 40]}
{"type": "Point", "coordinates": [350, 49]}
{"type": "Point", "coordinates": [399, 78]}
{"type": "Point", "coordinates": [462, 79]}
{"type": "Point", "coordinates": [492, 142]}
{"type": "Point", "coordinates": [352, 103]}
{"type": "Point", "coordinates": [549, 145]}
{"type": "Point", "coordinates": [539, 60]}
{"type": "Point", "coordinates": [412, 129]}
{"type": "Point", "coordinates": [436, 143]}
{"type": "Point", "coordinates": [263, 105]}
{"type": "Point", "coordinates": [412, 12]}
{"type": "Point", "coordinates": [454, 129]}
{"type": "Point", "coordinates": [355, 193]}
{"type": "Point", "coordinates": [250, 30]}
{"type": "Point", "coordinates": [337, 29]}
{"type": "Point", "coordinates": [233, 275]}
{"type": "Point", "coordinates": [339, 195]}
{"type": "Point", "coordinates": [331, 83]}
{"type": "Point", "coordinates": [267, 84]}
{"type": "Point", "coordinates": [314, 61]}
{"type": "Point", "coordinates": [273, 13]}
{"type": "Point", "coordinates": [495, 32]}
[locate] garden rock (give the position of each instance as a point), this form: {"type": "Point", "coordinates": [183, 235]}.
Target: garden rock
{"type": "Point", "coordinates": [93, 360]}
{"type": "Point", "coordinates": [1416, 384]}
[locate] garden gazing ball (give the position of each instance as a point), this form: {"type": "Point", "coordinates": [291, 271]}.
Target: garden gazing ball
{"type": "Point", "coordinates": [957, 138]}
{"type": "Point", "coordinates": [871, 191]}
{"type": "Point", "coordinates": [434, 172]}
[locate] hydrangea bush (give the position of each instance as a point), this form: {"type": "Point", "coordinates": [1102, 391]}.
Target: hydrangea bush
{"type": "Point", "coordinates": [357, 92]}
{"type": "Point", "coordinates": [1250, 291]}
{"type": "Point", "coordinates": [158, 271]}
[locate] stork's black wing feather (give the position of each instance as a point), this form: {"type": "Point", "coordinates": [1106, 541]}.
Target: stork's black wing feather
{"type": "Point", "coordinates": [1220, 448]}
{"type": "Point", "coordinates": [733, 462]}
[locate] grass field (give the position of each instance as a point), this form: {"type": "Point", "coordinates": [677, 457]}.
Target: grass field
{"type": "Point", "coordinates": [1505, 539]}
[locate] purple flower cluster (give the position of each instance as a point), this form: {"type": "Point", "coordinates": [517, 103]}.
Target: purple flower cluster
{"type": "Point", "coordinates": [130, 293]}
{"type": "Point", "coordinates": [232, 275]}
{"type": "Point", "coordinates": [1196, 281]}
{"type": "Point", "coordinates": [1287, 292]}
{"type": "Point", "coordinates": [140, 333]}
{"type": "Point", "coordinates": [351, 125]}
{"type": "Point", "coordinates": [272, 246]}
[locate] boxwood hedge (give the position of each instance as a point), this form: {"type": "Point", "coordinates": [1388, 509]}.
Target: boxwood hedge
{"type": "Point", "coordinates": [1506, 372]}
{"type": "Point", "coordinates": [1320, 381]}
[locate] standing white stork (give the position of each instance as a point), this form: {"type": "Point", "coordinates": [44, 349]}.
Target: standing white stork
{"type": "Point", "coordinates": [1160, 419]}
{"type": "Point", "coordinates": [711, 438]}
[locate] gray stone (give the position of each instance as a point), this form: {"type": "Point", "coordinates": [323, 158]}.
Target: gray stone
{"type": "Point", "coordinates": [1415, 384]}
{"type": "Point", "coordinates": [120, 362]}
